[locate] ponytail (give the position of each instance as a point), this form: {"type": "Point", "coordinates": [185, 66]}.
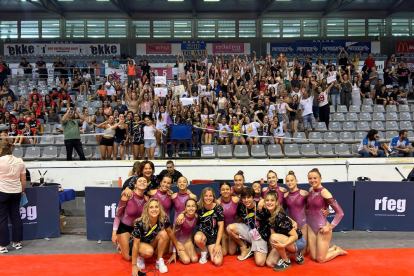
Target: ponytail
{"type": "Point", "coordinates": [7, 148]}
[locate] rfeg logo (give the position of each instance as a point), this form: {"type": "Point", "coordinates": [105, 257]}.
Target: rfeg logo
{"type": "Point", "coordinates": [29, 212]}
{"type": "Point", "coordinates": [103, 49]}
{"type": "Point", "coordinates": [385, 204]}
{"type": "Point", "coordinates": [110, 210]}
{"type": "Point", "coordinates": [20, 49]}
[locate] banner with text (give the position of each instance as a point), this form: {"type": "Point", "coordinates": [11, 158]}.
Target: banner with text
{"type": "Point", "coordinates": [385, 206]}
{"type": "Point", "coordinates": [404, 47]}
{"type": "Point", "coordinates": [61, 49]}
{"type": "Point", "coordinates": [194, 47]}
{"type": "Point", "coordinates": [228, 48]}
{"type": "Point", "coordinates": [164, 71]}
{"type": "Point", "coordinates": [332, 46]}
{"type": "Point", "coordinates": [363, 47]}
{"type": "Point", "coordinates": [277, 48]}
{"type": "Point", "coordinates": [307, 47]}
{"type": "Point", "coordinates": [158, 49]}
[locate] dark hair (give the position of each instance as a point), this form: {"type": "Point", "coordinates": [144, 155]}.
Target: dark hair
{"type": "Point", "coordinates": [401, 132]}
{"type": "Point", "coordinates": [7, 148]}
{"type": "Point", "coordinates": [270, 171]}
{"type": "Point", "coordinates": [315, 170]}
{"type": "Point", "coordinates": [167, 176]}
{"type": "Point", "coordinates": [247, 192]}
{"type": "Point", "coordinates": [191, 199]}
{"type": "Point", "coordinates": [142, 165]}
{"type": "Point", "coordinates": [371, 134]}
{"type": "Point", "coordinates": [170, 162]}
{"type": "Point", "coordinates": [240, 173]}
{"type": "Point", "coordinates": [224, 183]}
{"type": "Point", "coordinates": [135, 167]}
{"type": "Point", "coordinates": [291, 173]}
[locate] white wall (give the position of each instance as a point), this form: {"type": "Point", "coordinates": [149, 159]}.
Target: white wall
{"type": "Point", "coordinates": [77, 175]}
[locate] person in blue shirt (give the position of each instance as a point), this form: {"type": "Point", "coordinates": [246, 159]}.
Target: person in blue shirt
{"type": "Point", "coordinates": [401, 145]}
{"type": "Point", "coordinates": [369, 145]}
{"type": "Point", "coordinates": [120, 107]}
{"type": "Point", "coordinates": [114, 63]}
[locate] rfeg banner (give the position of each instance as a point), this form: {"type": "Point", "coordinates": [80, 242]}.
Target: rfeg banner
{"type": "Point", "coordinates": [387, 206]}
{"type": "Point", "coordinates": [63, 49]}
{"type": "Point", "coordinates": [40, 216]}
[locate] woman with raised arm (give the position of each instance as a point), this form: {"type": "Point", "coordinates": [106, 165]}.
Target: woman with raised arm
{"type": "Point", "coordinates": [120, 137]}
{"type": "Point", "coordinates": [107, 141]}
{"type": "Point", "coordinates": [250, 129]}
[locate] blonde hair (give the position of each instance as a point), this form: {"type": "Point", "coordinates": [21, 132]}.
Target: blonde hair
{"type": "Point", "coordinates": [145, 218]}
{"type": "Point", "coordinates": [203, 193]}
{"type": "Point", "coordinates": [278, 208]}
{"type": "Point", "coordinates": [7, 148]}
{"type": "Point", "coordinates": [292, 173]}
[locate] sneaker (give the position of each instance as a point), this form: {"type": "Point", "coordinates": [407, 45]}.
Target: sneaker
{"type": "Point", "coordinates": [245, 253]}
{"type": "Point", "coordinates": [17, 245]}
{"type": "Point", "coordinates": [131, 157]}
{"type": "Point", "coordinates": [299, 259]}
{"type": "Point", "coordinates": [140, 263]}
{"type": "Point", "coordinates": [126, 157]}
{"type": "Point", "coordinates": [4, 250]}
{"type": "Point", "coordinates": [176, 155]}
{"type": "Point", "coordinates": [160, 265]}
{"type": "Point", "coordinates": [282, 265]}
{"type": "Point", "coordinates": [203, 258]}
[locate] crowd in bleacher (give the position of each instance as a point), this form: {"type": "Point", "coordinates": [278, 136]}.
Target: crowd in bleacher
{"type": "Point", "coordinates": [238, 100]}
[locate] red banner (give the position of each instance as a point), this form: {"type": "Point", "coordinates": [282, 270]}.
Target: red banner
{"type": "Point", "coordinates": [163, 71]}
{"type": "Point", "coordinates": [228, 48]}
{"type": "Point", "coordinates": [404, 47]}
{"type": "Point", "coordinates": [410, 65]}
{"type": "Point", "coordinates": [158, 49]}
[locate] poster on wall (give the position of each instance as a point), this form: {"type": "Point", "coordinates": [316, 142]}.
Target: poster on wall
{"type": "Point", "coordinates": [332, 46]}
{"type": "Point", "coordinates": [404, 47]}
{"type": "Point", "coordinates": [158, 49]}
{"type": "Point", "coordinates": [61, 49]}
{"type": "Point", "coordinates": [307, 46]}
{"type": "Point", "coordinates": [194, 47]}
{"type": "Point", "coordinates": [228, 48]}
{"type": "Point", "coordinates": [363, 47]}
{"type": "Point", "coordinates": [277, 48]}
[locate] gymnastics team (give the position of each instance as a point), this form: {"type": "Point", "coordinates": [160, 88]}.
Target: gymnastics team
{"type": "Point", "coordinates": [248, 221]}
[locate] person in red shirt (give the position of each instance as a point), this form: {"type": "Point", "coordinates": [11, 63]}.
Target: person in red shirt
{"type": "Point", "coordinates": [263, 84]}
{"type": "Point", "coordinates": [48, 104]}
{"type": "Point", "coordinates": [37, 110]}
{"type": "Point", "coordinates": [34, 92]}
{"type": "Point", "coordinates": [56, 96]}
{"type": "Point", "coordinates": [34, 122]}
{"type": "Point", "coordinates": [21, 121]}
{"type": "Point", "coordinates": [26, 135]}
{"type": "Point", "coordinates": [369, 62]}
{"type": "Point", "coordinates": [8, 119]}
{"type": "Point", "coordinates": [34, 99]}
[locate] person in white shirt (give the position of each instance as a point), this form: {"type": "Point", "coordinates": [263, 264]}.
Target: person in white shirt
{"type": "Point", "coordinates": [250, 128]}
{"type": "Point", "coordinates": [306, 113]}
{"type": "Point", "coordinates": [110, 86]}
{"type": "Point", "coordinates": [223, 129]}
{"type": "Point", "coordinates": [149, 137]}
{"type": "Point", "coordinates": [278, 132]}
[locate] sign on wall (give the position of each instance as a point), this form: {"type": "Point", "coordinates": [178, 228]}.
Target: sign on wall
{"type": "Point", "coordinates": [61, 49]}
{"type": "Point", "coordinates": [277, 48]}
{"type": "Point", "coordinates": [363, 47]}
{"type": "Point", "coordinates": [228, 48]}
{"type": "Point", "coordinates": [158, 49]}
{"type": "Point", "coordinates": [404, 47]}
{"type": "Point", "coordinates": [194, 47]}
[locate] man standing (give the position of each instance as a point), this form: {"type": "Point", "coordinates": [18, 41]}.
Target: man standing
{"type": "Point", "coordinates": [400, 145]}
{"type": "Point", "coordinates": [27, 69]}
{"type": "Point", "coordinates": [170, 170]}
{"type": "Point", "coordinates": [41, 66]}
{"type": "Point", "coordinates": [71, 133]}
{"type": "Point", "coordinates": [403, 74]}
{"type": "Point", "coordinates": [122, 109]}
{"type": "Point", "coordinates": [369, 62]}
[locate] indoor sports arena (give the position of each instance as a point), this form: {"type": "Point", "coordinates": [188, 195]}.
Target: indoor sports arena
{"type": "Point", "coordinates": [220, 137]}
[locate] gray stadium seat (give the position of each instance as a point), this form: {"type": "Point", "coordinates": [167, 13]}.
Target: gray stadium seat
{"type": "Point", "coordinates": [91, 141]}
{"type": "Point", "coordinates": [315, 137]}
{"type": "Point", "coordinates": [348, 126]}
{"type": "Point", "coordinates": [368, 101]}
{"type": "Point", "coordinates": [392, 108]}
{"type": "Point", "coordinates": [330, 137]}
{"type": "Point", "coordinates": [359, 135]}
{"type": "Point", "coordinates": [351, 116]}
{"type": "Point", "coordinates": [342, 150]}
{"type": "Point", "coordinates": [334, 126]}
{"type": "Point", "coordinates": [381, 136]}
{"type": "Point", "coordinates": [63, 154]}
{"type": "Point", "coordinates": [354, 108]}
{"type": "Point", "coordinates": [258, 151]}
{"type": "Point", "coordinates": [87, 151]}
{"type": "Point", "coordinates": [341, 108]}
{"type": "Point", "coordinates": [378, 116]}
{"type": "Point", "coordinates": [292, 151]}
{"type": "Point", "coordinates": [275, 151]}
{"type": "Point", "coordinates": [96, 104]}
{"type": "Point", "coordinates": [47, 140]}
{"type": "Point", "coordinates": [338, 117]}
{"type": "Point", "coordinates": [365, 116]}
{"type": "Point", "coordinates": [406, 125]}
{"type": "Point", "coordinates": [46, 128]}
{"type": "Point", "coordinates": [321, 126]}
{"type": "Point", "coordinates": [225, 151]}
{"type": "Point", "coordinates": [308, 150]}
{"type": "Point", "coordinates": [331, 109]}
{"type": "Point", "coordinates": [405, 116]}
{"type": "Point", "coordinates": [57, 126]}
{"type": "Point", "coordinates": [392, 116]}
{"type": "Point", "coordinates": [241, 151]}
{"type": "Point", "coordinates": [299, 137]}
{"type": "Point", "coordinates": [32, 153]}
{"type": "Point", "coordinates": [391, 125]}
{"type": "Point", "coordinates": [97, 153]}
{"type": "Point", "coordinates": [366, 108]}
{"type": "Point", "coordinates": [81, 98]}
{"type": "Point", "coordinates": [346, 137]}
{"type": "Point", "coordinates": [288, 137]}
{"type": "Point", "coordinates": [59, 140]}
{"type": "Point", "coordinates": [379, 108]}
{"type": "Point", "coordinates": [91, 110]}
{"type": "Point", "coordinates": [355, 150]}
{"type": "Point", "coordinates": [207, 151]}
{"type": "Point", "coordinates": [325, 150]}
{"type": "Point", "coordinates": [391, 134]}
{"type": "Point", "coordinates": [49, 153]}
{"type": "Point", "coordinates": [410, 135]}
{"type": "Point", "coordinates": [18, 151]}
{"type": "Point", "coordinates": [363, 126]}
{"type": "Point", "coordinates": [378, 125]}
{"type": "Point", "coordinates": [404, 107]}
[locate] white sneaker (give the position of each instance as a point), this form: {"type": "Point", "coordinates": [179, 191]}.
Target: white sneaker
{"type": "Point", "coordinates": [203, 258]}
{"type": "Point", "coordinates": [126, 157]}
{"type": "Point", "coordinates": [131, 157]}
{"type": "Point", "coordinates": [160, 265]}
{"type": "Point", "coordinates": [140, 262]}
{"type": "Point", "coordinates": [4, 250]}
{"type": "Point", "coordinates": [17, 245]}
{"type": "Point", "coordinates": [176, 155]}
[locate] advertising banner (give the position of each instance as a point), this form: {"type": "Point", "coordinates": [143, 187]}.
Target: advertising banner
{"type": "Point", "coordinates": [61, 49]}
{"type": "Point", "coordinates": [194, 47]}
{"type": "Point", "coordinates": [404, 47]}
{"type": "Point", "coordinates": [158, 49]}
{"type": "Point", "coordinates": [364, 47]}
{"type": "Point", "coordinates": [332, 46]}
{"type": "Point", "coordinates": [228, 48]}
{"type": "Point", "coordinates": [307, 47]}
{"type": "Point", "coordinates": [40, 215]}
{"type": "Point", "coordinates": [387, 206]}
{"type": "Point", "coordinates": [277, 48]}
{"type": "Point", "coordinates": [163, 71]}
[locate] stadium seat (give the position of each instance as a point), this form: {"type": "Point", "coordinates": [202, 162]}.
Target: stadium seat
{"type": "Point", "coordinates": [392, 108]}
{"type": "Point", "coordinates": [379, 108]}
{"type": "Point", "coordinates": [63, 154]}
{"type": "Point", "coordinates": [92, 110]}
{"type": "Point", "coordinates": [378, 116]}
{"type": "Point", "coordinates": [391, 125]}
{"type": "Point", "coordinates": [325, 150]}
{"type": "Point", "coordinates": [91, 141]}
{"type": "Point", "coordinates": [258, 151]}
{"type": "Point", "coordinates": [341, 108]}
{"type": "Point", "coordinates": [32, 153]}
{"type": "Point", "coordinates": [342, 150]}
{"type": "Point", "coordinates": [348, 126]}
{"type": "Point", "coordinates": [315, 137]}
{"type": "Point", "coordinates": [334, 126]}
{"type": "Point", "coordinates": [47, 140]}
{"type": "Point", "coordinates": [292, 151]}
{"type": "Point", "coordinates": [321, 126]}
{"type": "Point", "coordinates": [46, 128]}
{"type": "Point", "coordinates": [207, 151]}
{"type": "Point", "coordinates": [308, 150]}
{"type": "Point", "coordinates": [338, 117]}
{"type": "Point", "coordinates": [96, 104]}
{"type": "Point", "coordinates": [241, 151]}
{"type": "Point", "coordinates": [354, 108]}
{"type": "Point", "coordinates": [364, 116]}
{"type": "Point", "coordinates": [410, 135]}
{"type": "Point", "coordinates": [363, 126]}
{"type": "Point", "coordinates": [406, 125]}
{"type": "Point", "coordinates": [59, 140]}
{"type": "Point", "coordinates": [225, 151]}
{"type": "Point", "coordinates": [355, 150]}
{"type": "Point", "coordinates": [288, 137]}
{"type": "Point", "coordinates": [49, 153]}
{"type": "Point", "coordinates": [366, 108]}
{"type": "Point", "coordinates": [405, 116]}
{"type": "Point", "coordinates": [81, 98]}
{"type": "Point", "coordinates": [381, 136]}
{"type": "Point", "coordinates": [331, 109]}
{"type": "Point", "coordinates": [378, 125]}
{"type": "Point", "coordinates": [391, 134]}
{"type": "Point", "coordinates": [368, 101]}
{"type": "Point", "coordinates": [18, 151]}
{"type": "Point", "coordinates": [275, 151]}
{"type": "Point", "coordinates": [299, 137]}
{"type": "Point", "coordinates": [346, 137]}
{"type": "Point", "coordinates": [404, 108]}
{"type": "Point", "coordinates": [392, 116]}
{"type": "Point", "coordinates": [359, 135]}
{"type": "Point", "coordinates": [87, 151]}
{"type": "Point", "coordinates": [351, 116]}
{"type": "Point", "coordinates": [330, 137]}
{"type": "Point", "coordinates": [57, 126]}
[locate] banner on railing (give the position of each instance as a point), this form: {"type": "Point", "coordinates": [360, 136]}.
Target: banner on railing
{"type": "Point", "coordinates": [363, 47]}
{"type": "Point", "coordinates": [228, 48]}
{"type": "Point", "coordinates": [158, 49]}
{"type": "Point", "coordinates": [194, 47]}
{"type": "Point", "coordinates": [163, 71]}
{"type": "Point", "coordinates": [61, 49]}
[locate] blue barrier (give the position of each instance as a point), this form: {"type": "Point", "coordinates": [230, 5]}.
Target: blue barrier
{"type": "Point", "coordinates": [384, 206]}
{"type": "Point", "coordinates": [40, 215]}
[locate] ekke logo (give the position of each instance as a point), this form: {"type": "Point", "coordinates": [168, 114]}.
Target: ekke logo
{"type": "Point", "coordinates": [29, 212]}
{"type": "Point", "coordinates": [103, 49]}
{"type": "Point", "coordinates": [21, 49]}
{"type": "Point", "coordinates": [390, 204]}
{"type": "Point", "coordinates": [110, 210]}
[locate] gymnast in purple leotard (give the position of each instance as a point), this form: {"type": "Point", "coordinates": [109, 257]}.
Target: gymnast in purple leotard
{"type": "Point", "coordinates": [319, 229]}
{"type": "Point", "coordinates": [161, 193]}
{"type": "Point", "coordinates": [238, 184]}
{"type": "Point", "coordinates": [184, 233]}
{"type": "Point", "coordinates": [229, 204]}
{"type": "Point", "coordinates": [181, 197]}
{"type": "Point", "coordinates": [272, 181]}
{"type": "Point", "coordinates": [129, 209]}
{"type": "Point", "coordinates": [257, 191]}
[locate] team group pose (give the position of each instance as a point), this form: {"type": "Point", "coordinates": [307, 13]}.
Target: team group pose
{"type": "Point", "coordinates": [244, 221]}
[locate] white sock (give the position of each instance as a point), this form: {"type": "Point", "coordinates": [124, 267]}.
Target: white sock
{"type": "Point", "coordinates": [203, 254]}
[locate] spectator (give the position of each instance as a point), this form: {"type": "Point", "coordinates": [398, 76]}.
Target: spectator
{"type": "Point", "coordinates": [10, 105]}
{"type": "Point", "coordinates": [87, 123]}
{"type": "Point", "coordinates": [26, 135]}
{"type": "Point", "coordinates": [343, 58]}
{"type": "Point", "coordinates": [171, 171]}
{"type": "Point", "coordinates": [250, 129]}
{"type": "Point", "coordinates": [400, 145]}
{"type": "Point", "coordinates": [4, 71]}
{"type": "Point", "coordinates": [110, 86]}
{"type": "Point", "coordinates": [107, 141]}
{"type": "Point", "coordinates": [131, 71]}
{"type": "Point", "coordinates": [382, 96]}
{"type": "Point", "coordinates": [373, 79]}
{"type": "Point", "coordinates": [75, 87]}
{"type": "Point", "coordinates": [27, 69]}
{"type": "Point", "coordinates": [114, 63]}
{"type": "Point", "coordinates": [6, 91]}
{"type": "Point", "coordinates": [122, 109]}
{"type": "Point", "coordinates": [64, 70]}
{"type": "Point", "coordinates": [71, 133]}
{"type": "Point", "coordinates": [369, 62]}
{"type": "Point", "coordinates": [346, 89]}
{"type": "Point", "coordinates": [324, 109]}
{"type": "Point", "coordinates": [63, 84]}
{"type": "Point", "coordinates": [369, 145]}
{"type": "Point", "coordinates": [306, 114]}
{"type": "Point", "coordinates": [403, 74]}
{"type": "Point", "coordinates": [74, 69]}
{"type": "Point", "coordinates": [58, 65]}
{"type": "Point", "coordinates": [355, 60]}
{"type": "Point", "coordinates": [12, 186]}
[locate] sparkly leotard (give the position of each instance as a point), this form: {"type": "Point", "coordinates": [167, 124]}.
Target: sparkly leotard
{"type": "Point", "coordinates": [184, 231]}
{"type": "Point", "coordinates": [230, 210]}
{"type": "Point", "coordinates": [129, 210]}
{"type": "Point", "coordinates": [165, 200]}
{"type": "Point", "coordinates": [279, 192]}
{"type": "Point", "coordinates": [235, 193]}
{"type": "Point", "coordinates": [296, 203]}
{"type": "Point", "coordinates": [179, 204]}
